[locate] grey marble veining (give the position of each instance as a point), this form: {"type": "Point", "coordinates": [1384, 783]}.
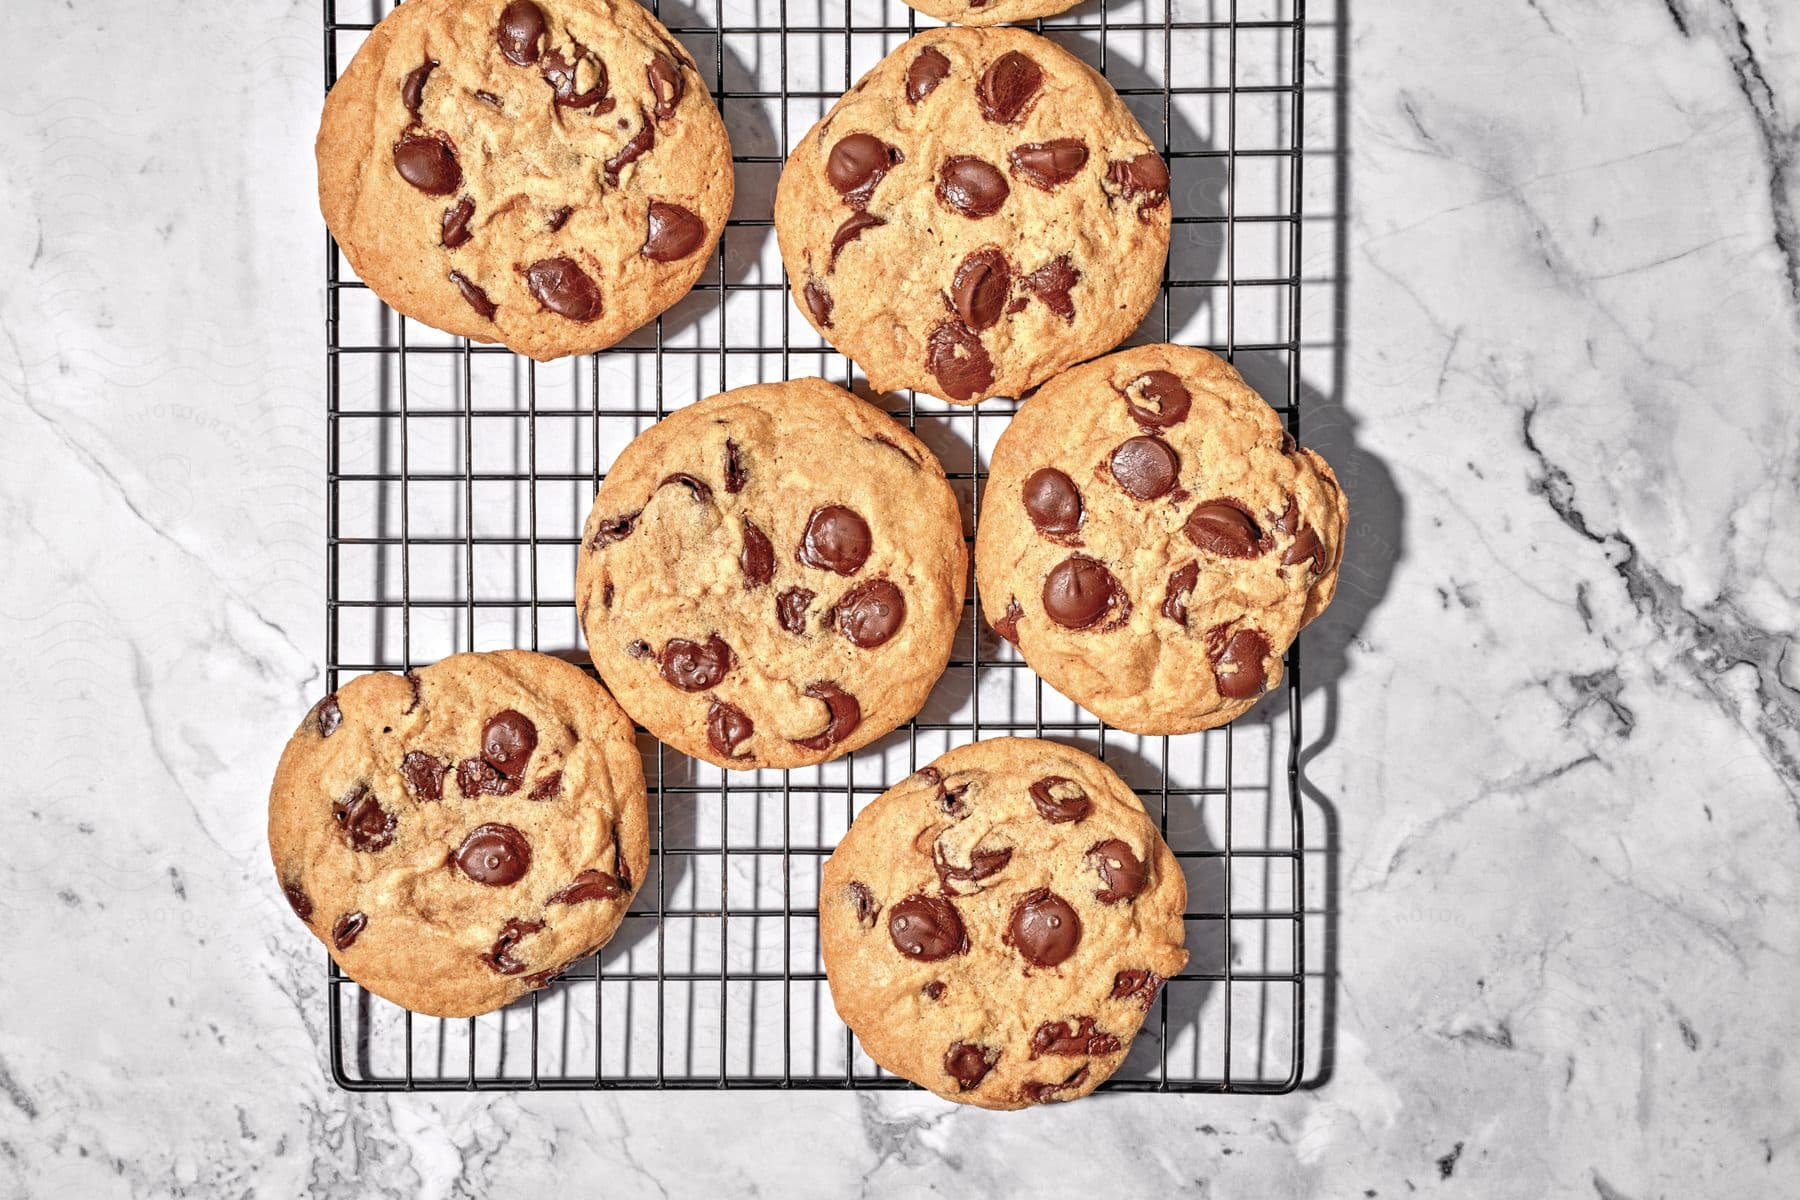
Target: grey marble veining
{"type": "Point", "coordinates": [1553, 721]}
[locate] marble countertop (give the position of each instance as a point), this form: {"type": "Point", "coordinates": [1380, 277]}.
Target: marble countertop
{"type": "Point", "coordinates": [1554, 345]}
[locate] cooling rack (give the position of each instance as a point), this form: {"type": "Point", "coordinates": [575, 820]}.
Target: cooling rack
{"type": "Point", "coordinates": [458, 476]}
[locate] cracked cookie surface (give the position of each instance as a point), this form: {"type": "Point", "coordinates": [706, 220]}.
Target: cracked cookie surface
{"type": "Point", "coordinates": [1152, 540]}
{"type": "Point", "coordinates": [978, 212]}
{"type": "Point", "coordinates": [996, 926]}
{"type": "Point", "coordinates": [459, 835]}
{"type": "Point", "coordinates": [550, 174]}
{"type": "Point", "coordinates": [772, 577]}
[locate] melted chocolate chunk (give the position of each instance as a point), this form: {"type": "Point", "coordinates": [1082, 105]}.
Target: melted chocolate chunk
{"type": "Point", "coordinates": [424, 775]}
{"type": "Point", "coordinates": [1123, 872]}
{"type": "Point", "coordinates": [790, 609]}
{"type": "Point", "coordinates": [1146, 175]}
{"type": "Point", "coordinates": [328, 716]}
{"type": "Point", "coordinates": [640, 144]}
{"type": "Point", "coordinates": [674, 233]}
{"type": "Point", "coordinates": [1139, 985]}
{"type": "Point", "coordinates": [956, 358]}
{"type": "Point", "coordinates": [456, 223]}
{"type": "Point", "coordinates": [1223, 527]}
{"type": "Point", "coordinates": [511, 934]}
{"type": "Point", "coordinates": [563, 76]}
{"type": "Point", "coordinates": [849, 231]}
{"type": "Point", "coordinates": [366, 825]}
{"type": "Point", "coordinates": [1049, 165]}
{"type": "Point", "coordinates": [472, 292]}
{"type": "Point", "coordinates": [844, 714]}
{"type": "Point", "coordinates": [665, 85]}
{"type": "Point", "coordinates": [1053, 502]}
{"type": "Point", "coordinates": [1238, 671]}
{"type": "Point", "coordinates": [640, 649]}
{"type": "Point", "coordinates": [836, 539]}
{"type": "Point", "coordinates": [348, 928]}
{"type": "Point", "coordinates": [588, 886]}
{"type": "Point", "coordinates": [927, 928]}
{"type": "Point", "coordinates": [1157, 400]}
{"type": "Point", "coordinates": [982, 284]}
{"type": "Point", "coordinates": [507, 741]}
{"type": "Point", "coordinates": [428, 163]}
{"type": "Point", "coordinates": [698, 489]}
{"type": "Point", "coordinates": [1008, 87]}
{"type": "Point", "coordinates": [1044, 928]}
{"type": "Point", "coordinates": [477, 777]}
{"type": "Point", "coordinates": [1008, 625]}
{"type": "Point", "coordinates": [969, 1064]}
{"type": "Point", "coordinates": [495, 855]}
{"type": "Point", "coordinates": [982, 865]}
{"type": "Point", "coordinates": [520, 32]}
{"type": "Point", "coordinates": [1038, 1093]}
{"type": "Point", "coordinates": [934, 990]}
{"type": "Point", "coordinates": [1181, 586]}
{"type": "Point", "coordinates": [757, 558]}
{"type": "Point", "coordinates": [562, 287]}
{"type": "Point", "coordinates": [1058, 1039]}
{"type": "Point", "coordinates": [1052, 283]}
{"type": "Point", "coordinates": [871, 613]}
{"type": "Point", "coordinates": [971, 186]}
{"type": "Point", "coordinates": [559, 218]}
{"type": "Point", "coordinates": [298, 900]}
{"type": "Point", "coordinates": [412, 89]}
{"type": "Point", "coordinates": [1145, 466]}
{"type": "Point", "coordinates": [857, 163]}
{"type": "Point", "coordinates": [867, 907]}
{"type": "Point", "coordinates": [727, 728]}
{"type": "Point", "coordinates": [1079, 591]}
{"type": "Point", "coordinates": [818, 303]}
{"type": "Point", "coordinates": [614, 529]}
{"type": "Point", "coordinates": [695, 666]}
{"type": "Point", "coordinates": [736, 475]}
{"type": "Point", "coordinates": [924, 73]}
{"type": "Point", "coordinates": [1060, 800]}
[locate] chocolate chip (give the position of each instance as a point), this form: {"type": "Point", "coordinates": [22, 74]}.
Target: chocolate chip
{"type": "Point", "coordinates": [348, 928]}
{"type": "Point", "coordinates": [849, 231]}
{"type": "Point", "coordinates": [757, 558]}
{"type": "Point", "coordinates": [424, 775]}
{"type": "Point", "coordinates": [1306, 547]}
{"type": "Point", "coordinates": [1044, 928]}
{"type": "Point", "coordinates": [969, 1064]}
{"type": "Point", "coordinates": [412, 89]}
{"type": "Point", "coordinates": [1145, 175]}
{"type": "Point", "coordinates": [1058, 1039]}
{"type": "Point", "coordinates": [952, 794]}
{"type": "Point", "coordinates": [428, 163]}
{"type": "Point", "coordinates": [790, 609]}
{"type": "Point", "coordinates": [366, 825]}
{"type": "Point", "coordinates": [843, 715]}
{"type": "Point", "coordinates": [563, 76]}
{"type": "Point", "coordinates": [606, 599]}
{"type": "Point", "coordinates": [695, 666]}
{"type": "Point", "coordinates": [1038, 1093]}
{"type": "Point", "coordinates": [959, 362]}
{"type": "Point", "coordinates": [563, 288]}
{"type": "Point", "coordinates": [871, 612]}
{"type": "Point", "coordinates": [934, 990]}
{"type": "Point", "coordinates": [640, 649]}
{"type": "Point", "coordinates": [674, 234]}
{"type": "Point", "coordinates": [640, 144]}
{"type": "Point", "coordinates": [867, 907]}
{"type": "Point", "coordinates": [924, 73]}
{"type": "Point", "coordinates": [520, 32]}
{"type": "Point", "coordinates": [1079, 591]}
{"type": "Point", "coordinates": [1048, 165]}
{"type": "Point", "coordinates": [495, 855]}
{"type": "Point", "coordinates": [727, 727]}
{"type": "Point", "coordinates": [836, 539]}
{"type": "Point", "coordinates": [927, 928]}
{"type": "Point", "coordinates": [982, 865]}
{"type": "Point", "coordinates": [1052, 283]}
{"type": "Point", "coordinates": [1138, 985]}
{"type": "Point", "coordinates": [1053, 502]}
{"type": "Point", "coordinates": [1157, 400]}
{"type": "Point", "coordinates": [608, 530]}
{"type": "Point", "coordinates": [1181, 586]}
{"type": "Point", "coordinates": [736, 476]}
{"type": "Point", "coordinates": [1224, 527]}
{"type": "Point", "coordinates": [298, 900]}
{"type": "Point", "coordinates": [1145, 466]}
{"type": "Point", "coordinates": [971, 186]}
{"type": "Point", "coordinates": [981, 287]}
{"type": "Point", "coordinates": [818, 302]}
{"type": "Point", "coordinates": [857, 163]}
{"type": "Point", "coordinates": [511, 934]}
{"type": "Point", "coordinates": [456, 223]}
{"type": "Point", "coordinates": [665, 85]}
{"type": "Point", "coordinates": [478, 777]}
{"type": "Point", "coordinates": [1008, 625]}
{"type": "Point", "coordinates": [1008, 87]}
{"type": "Point", "coordinates": [1060, 800]}
{"type": "Point", "coordinates": [587, 886]}
{"type": "Point", "coordinates": [1124, 873]}
{"type": "Point", "coordinates": [698, 489]}
{"type": "Point", "coordinates": [548, 788]}
{"type": "Point", "coordinates": [478, 299]}
{"type": "Point", "coordinates": [328, 716]}
{"type": "Point", "coordinates": [507, 741]}
{"type": "Point", "coordinates": [1237, 659]}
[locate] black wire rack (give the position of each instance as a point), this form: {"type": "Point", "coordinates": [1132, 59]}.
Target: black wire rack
{"type": "Point", "coordinates": [458, 476]}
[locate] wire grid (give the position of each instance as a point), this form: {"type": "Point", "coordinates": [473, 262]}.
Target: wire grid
{"type": "Point", "coordinates": [459, 475]}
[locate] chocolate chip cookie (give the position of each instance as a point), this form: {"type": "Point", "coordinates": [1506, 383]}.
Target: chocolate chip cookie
{"type": "Point", "coordinates": [977, 213]}
{"type": "Point", "coordinates": [1152, 540]}
{"type": "Point", "coordinates": [459, 835]}
{"type": "Point", "coordinates": [772, 577]}
{"type": "Point", "coordinates": [996, 926]}
{"type": "Point", "coordinates": [550, 174]}
{"type": "Point", "coordinates": [990, 12]}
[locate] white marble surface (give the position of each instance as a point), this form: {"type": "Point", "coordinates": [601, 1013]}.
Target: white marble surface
{"type": "Point", "coordinates": [1556, 703]}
